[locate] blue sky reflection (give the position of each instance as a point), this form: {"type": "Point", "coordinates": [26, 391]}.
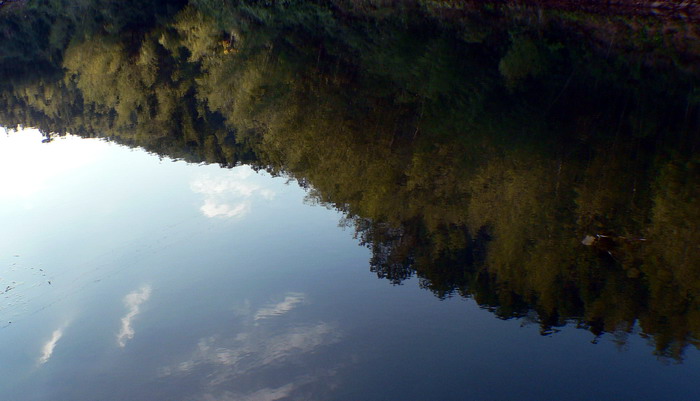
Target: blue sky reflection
{"type": "Point", "coordinates": [133, 302]}
{"type": "Point", "coordinates": [230, 195]}
{"type": "Point", "coordinates": [261, 348]}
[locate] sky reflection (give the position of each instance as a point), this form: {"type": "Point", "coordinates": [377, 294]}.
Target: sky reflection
{"type": "Point", "coordinates": [231, 195]}
{"type": "Point", "coordinates": [49, 346]}
{"type": "Point", "coordinates": [282, 307]}
{"type": "Point", "coordinates": [290, 302]}
{"type": "Point", "coordinates": [34, 164]}
{"type": "Point", "coordinates": [235, 364]}
{"type": "Point", "coordinates": [133, 302]}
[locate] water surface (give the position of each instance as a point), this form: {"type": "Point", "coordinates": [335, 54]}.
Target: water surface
{"type": "Point", "coordinates": [307, 200]}
{"type": "Point", "coordinates": [155, 295]}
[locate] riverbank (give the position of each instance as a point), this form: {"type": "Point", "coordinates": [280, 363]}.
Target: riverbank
{"type": "Point", "coordinates": [672, 9]}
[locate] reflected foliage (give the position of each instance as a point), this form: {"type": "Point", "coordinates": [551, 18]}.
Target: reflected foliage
{"type": "Point", "coordinates": [473, 147]}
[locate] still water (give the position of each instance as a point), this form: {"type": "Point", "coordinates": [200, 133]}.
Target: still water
{"type": "Point", "coordinates": [348, 200]}
{"type": "Point", "coordinates": [130, 276]}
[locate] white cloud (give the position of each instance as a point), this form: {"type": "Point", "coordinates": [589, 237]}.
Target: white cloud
{"type": "Point", "coordinates": [290, 302]}
{"type": "Point", "coordinates": [30, 165]}
{"type": "Point", "coordinates": [231, 195]}
{"type": "Point", "coordinates": [298, 340]}
{"type": "Point", "coordinates": [265, 394]}
{"type": "Point", "coordinates": [213, 209]}
{"type": "Point", "coordinates": [244, 353]}
{"type": "Point", "coordinates": [49, 346]}
{"type": "Point", "coordinates": [271, 394]}
{"type": "Point", "coordinates": [133, 302]}
{"type": "Point", "coordinates": [230, 367]}
{"type": "Point", "coordinates": [233, 366]}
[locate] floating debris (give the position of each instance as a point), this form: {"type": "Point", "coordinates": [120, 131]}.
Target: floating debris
{"type": "Point", "coordinates": [588, 240]}
{"type": "Point", "coordinates": [597, 239]}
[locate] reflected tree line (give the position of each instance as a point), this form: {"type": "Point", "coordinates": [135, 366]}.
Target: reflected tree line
{"type": "Point", "coordinates": [489, 151]}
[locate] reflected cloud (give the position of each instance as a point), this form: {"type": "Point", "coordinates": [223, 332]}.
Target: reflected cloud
{"type": "Point", "coordinates": [133, 302]}
{"type": "Point", "coordinates": [230, 196]}
{"type": "Point", "coordinates": [248, 351]}
{"type": "Point", "coordinates": [213, 209]}
{"type": "Point", "coordinates": [290, 302]}
{"type": "Point", "coordinates": [266, 394]}
{"type": "Point", "coordinates": [49, 346]}
{"type": "Point", "coordinates": [232, 367]}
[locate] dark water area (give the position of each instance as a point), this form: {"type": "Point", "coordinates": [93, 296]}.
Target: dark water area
{"type": "Point", "coordinates": [523, 182]}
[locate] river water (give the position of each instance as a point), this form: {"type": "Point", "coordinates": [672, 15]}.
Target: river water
{"type": "Point", "coordinates": [330, 201]}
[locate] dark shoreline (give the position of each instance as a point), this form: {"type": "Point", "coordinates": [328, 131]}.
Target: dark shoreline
{"type": "Point", "coordinates": [677, 10]}
{"type": "Point", "coordinates": [667, 9]}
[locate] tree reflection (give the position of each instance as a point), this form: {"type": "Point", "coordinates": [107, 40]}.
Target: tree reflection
{"type": "Point", "coordinates": [473, 150]}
